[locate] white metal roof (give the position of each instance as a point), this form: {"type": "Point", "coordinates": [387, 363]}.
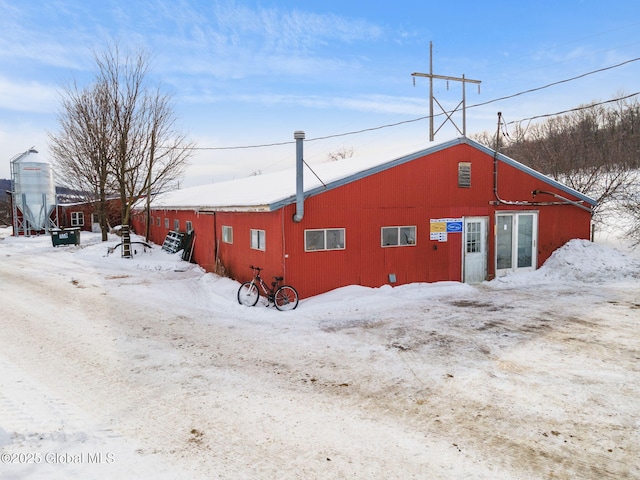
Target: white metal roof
{"type": "Point", "coordinates": [271, 191]}
{"type": "Point", "coordinates": [260, 192]}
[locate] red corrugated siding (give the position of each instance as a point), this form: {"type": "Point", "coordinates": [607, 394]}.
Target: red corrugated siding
{"type": "Point", "coordinates": [403, 196]}
{"type": "Point", "coordinates": [410, 194]}
{"type": "Point", "coordinates": [64, 213]}
{"type": "Point", "coordinates": [203, 251]}
{"type": "Point", "coordinates": [238, 256]}
{"type": "Point", "coordinates": [413, 194]}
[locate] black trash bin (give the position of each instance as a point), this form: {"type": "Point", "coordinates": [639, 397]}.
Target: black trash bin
{"type": "Point", "coordinates": [65, 236]}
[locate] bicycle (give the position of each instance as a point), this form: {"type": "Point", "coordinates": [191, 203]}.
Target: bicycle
{"type": "Point", "coordinates": [284, 297]}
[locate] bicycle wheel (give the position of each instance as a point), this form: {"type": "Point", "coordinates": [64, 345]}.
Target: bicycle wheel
{"type": "Point", "coordinates": [248, 294]}
{"type": "Point", "coordinates": [286, 298]}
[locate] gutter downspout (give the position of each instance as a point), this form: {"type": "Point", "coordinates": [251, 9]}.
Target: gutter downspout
{"type": "Point", "coordinates": [500, 201]}
{"type": "Point", "coordinates": [299, 137]}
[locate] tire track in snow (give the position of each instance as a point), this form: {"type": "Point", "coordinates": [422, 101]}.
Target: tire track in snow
{"type": "Point", "coordinates": [242, 406]}
{"type": "Point", "coordinates": [66, 350]}
{"type": "Point", "coordinates": [42, 431]}
{"type": "Point", "coordinates": [133, 373]}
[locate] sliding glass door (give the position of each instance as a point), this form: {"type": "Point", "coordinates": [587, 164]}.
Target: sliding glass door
{"type": "Point", "coordinates": [516, 241]}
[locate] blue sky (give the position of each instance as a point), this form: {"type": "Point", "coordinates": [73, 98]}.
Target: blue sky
{"type": "Point", "coordinates": [246, 73]}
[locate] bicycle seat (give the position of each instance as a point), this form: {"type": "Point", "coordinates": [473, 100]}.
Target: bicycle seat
{"type": "Point", "coordinates": [278, 279]}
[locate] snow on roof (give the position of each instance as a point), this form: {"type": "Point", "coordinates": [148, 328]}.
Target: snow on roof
{"type": "Point", "coordinates": [271, 191]}
{"type": "Point", "coordinates": [262, 192]}
{"type": "Point", "coordinates": [259, 190]}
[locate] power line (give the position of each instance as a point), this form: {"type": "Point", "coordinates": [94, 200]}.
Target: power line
{"type": "Point", "coordinates": [335, 135]}
{"type": "Point", "coordinates": [556, 83]}
{"type": "Point", "coordinates": [413, 120]}
{"type": "Point", "coordinates": [577, 109]}
{"type": "Point", "coordinates": [243, 146]}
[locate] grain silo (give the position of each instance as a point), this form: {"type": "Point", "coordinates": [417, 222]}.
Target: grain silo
{"type": "Point", "coordinates": [34, 194]}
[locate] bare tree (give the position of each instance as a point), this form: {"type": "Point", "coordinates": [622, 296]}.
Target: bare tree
{"type": "Point", "coordinates": [485, 138]}
{"type": "Point", "coordinates": [149, 153]}
{"type": "Point", "coordinates": [82, 147]}
{"type": "Point", "coordinates": [120, 133]}
{"type": "Point", "coordinates": [164, 152]}
{"type": "Point", "coordinates": [593, 149]}
{"type": "Point", "coordinates": [340, 154]}
{"type": "Point", "coordinates": [5, 209]}
{"type": "Point", "coordinates": [629, 211]}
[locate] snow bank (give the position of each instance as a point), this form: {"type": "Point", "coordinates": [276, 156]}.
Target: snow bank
{"type": "Point", "coordinates": [589, 262]}
{"type": "Point", "coordinates": [579, 261]}
{"type": "Point", "coordinates": [152, 363]}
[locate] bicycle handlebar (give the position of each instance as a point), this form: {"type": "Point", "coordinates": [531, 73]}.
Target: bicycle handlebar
{"type": "Point", "coordinates": [255, 268]}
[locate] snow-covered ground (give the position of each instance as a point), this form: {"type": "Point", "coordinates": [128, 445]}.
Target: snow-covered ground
{"type": "Point", "coordinates": [148, 368]}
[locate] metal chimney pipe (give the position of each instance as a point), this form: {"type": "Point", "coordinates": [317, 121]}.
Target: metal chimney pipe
{"type": "Point", "coordinates": [299, 137]}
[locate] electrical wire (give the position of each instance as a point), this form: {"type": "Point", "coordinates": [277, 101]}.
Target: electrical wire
{"type": "Point", "coordinates": [413, 120]}
{"type": "Point", "coordinates": [336, 135]}
{"type": "Point", "coordinates": [555, 83]}
{"type": "Point", "coordinates": [577, 109]}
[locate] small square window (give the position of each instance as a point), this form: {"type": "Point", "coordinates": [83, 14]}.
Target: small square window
{"type": "Point", "coordinates": [176, 225]}
{"type": "Point", "coordinates": [77, 219]}
{"type": "Point", "coordinates": [335, 239]}
{"type": "Point", "coordinates": [166, 223]}
{"type": "Point", "coordinates": [188, 226]}
{"type": "Point", "coordinates": [407, 235]}
{"type": "Point", "coordinates": [314, 240]}
{"type": "Point", "coordinates": [389, 236]}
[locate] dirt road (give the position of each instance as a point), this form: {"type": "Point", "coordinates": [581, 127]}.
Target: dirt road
{"type": "Point", "coordinates": [488, 383]}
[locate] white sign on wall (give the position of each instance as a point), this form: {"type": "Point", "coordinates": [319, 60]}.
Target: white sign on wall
{"type": "Point", "coordinates": [441, 227]}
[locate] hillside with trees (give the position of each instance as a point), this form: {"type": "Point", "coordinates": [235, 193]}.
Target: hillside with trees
{"type": "Point", "coordinates": [5, 209]}
{"type": "Point", "coordinates": [594, 149]}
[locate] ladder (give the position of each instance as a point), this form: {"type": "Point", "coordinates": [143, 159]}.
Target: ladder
{"type": "Point", "coordinates": [126, 242]}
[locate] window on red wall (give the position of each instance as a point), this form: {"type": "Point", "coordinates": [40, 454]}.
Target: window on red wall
{"type": "Point", "coordinates": [398, 236]}
{"type": "Point", "coordinates": [77, 219]}
{"type": "Point", "coordinates": [227, 234]}
{"type": "Point", "coordinates": [329, 239]}
{"type": "Point", "coordinates": [258, 239]}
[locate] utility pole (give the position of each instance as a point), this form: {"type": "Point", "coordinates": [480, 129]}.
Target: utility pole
{"type": "Point", "coordinates": [448, 115]}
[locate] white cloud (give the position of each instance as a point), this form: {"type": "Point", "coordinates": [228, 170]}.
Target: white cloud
{"type": "Point", "coordinates": [30, 42]}
{"type": "Point", "coordinates": [27, 96]}
{"type": "Point", "coordinates": [235, 41]}
{"type": "Point", "coordinates": [360, 103]}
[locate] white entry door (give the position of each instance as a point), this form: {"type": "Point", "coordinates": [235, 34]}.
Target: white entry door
{"type": "Point", "coordinates": [516, 241]}
{"type": "Point", "coordinates": [95, 223]}
{"type": "Point", "coordinates": [475, 249]}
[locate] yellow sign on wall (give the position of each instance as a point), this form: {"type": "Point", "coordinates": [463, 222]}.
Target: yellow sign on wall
{"type": "Point", "coordinates": [437, 227]}
{"type": "Point", "coordinates": [440, 227]}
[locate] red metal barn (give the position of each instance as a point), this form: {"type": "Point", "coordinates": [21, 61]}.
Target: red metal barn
{"type": "Point", "coordinates": [84, 215]}
{"type": "Point", "coordinates": [456, 211]}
